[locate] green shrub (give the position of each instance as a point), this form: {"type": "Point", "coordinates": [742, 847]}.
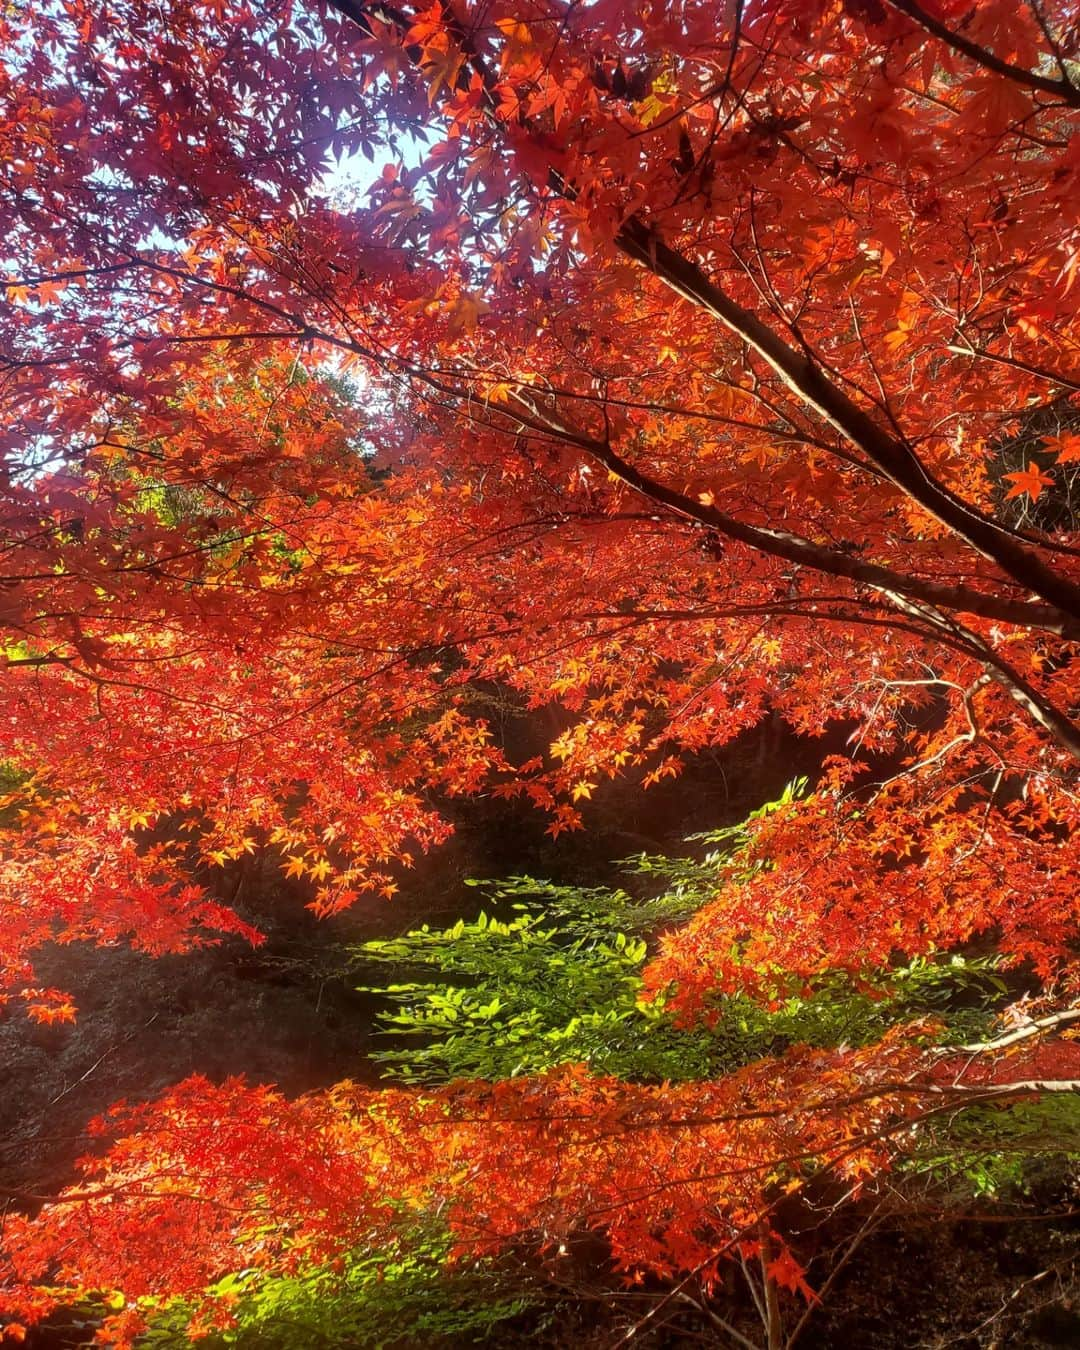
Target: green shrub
{"type": "Point", "coordinates": [1001, 1152]}
{"type": "Point", "coordinates": [411, 1297]}
{"type": "Point", "coordinates": [557, 980]}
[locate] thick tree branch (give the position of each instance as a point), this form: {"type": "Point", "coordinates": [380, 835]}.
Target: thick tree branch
{"type": "Point", "coordinates": [807, 380]}
{"type": "Point", "coordinates": [794, 548]}
{"type": "Point", "coordinates": [1061, 88]}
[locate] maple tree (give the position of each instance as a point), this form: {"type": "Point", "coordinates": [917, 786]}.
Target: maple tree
{"type": "Point", "coordinates": [651, 360]}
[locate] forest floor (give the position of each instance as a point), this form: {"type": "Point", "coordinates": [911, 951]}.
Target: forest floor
{"type": "Point", "coordinates": [978, 1284]}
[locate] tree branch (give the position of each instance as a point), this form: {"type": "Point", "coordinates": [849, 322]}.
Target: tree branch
{"type": "Point", "coordinates": [1060, 88]}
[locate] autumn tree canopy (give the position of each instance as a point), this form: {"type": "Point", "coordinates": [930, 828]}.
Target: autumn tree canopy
{"type": "Point", "coordinates": [663, 362]}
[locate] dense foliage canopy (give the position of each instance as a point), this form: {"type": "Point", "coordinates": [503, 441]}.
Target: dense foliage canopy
{"type": "Point", "coordinates": [668, 365]}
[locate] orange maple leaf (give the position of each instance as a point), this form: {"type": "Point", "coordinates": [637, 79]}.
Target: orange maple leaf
{"type": "Point", "coordinates": [1066, 446]}
{"type": "Point", "coordinates": [1031, 480]}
